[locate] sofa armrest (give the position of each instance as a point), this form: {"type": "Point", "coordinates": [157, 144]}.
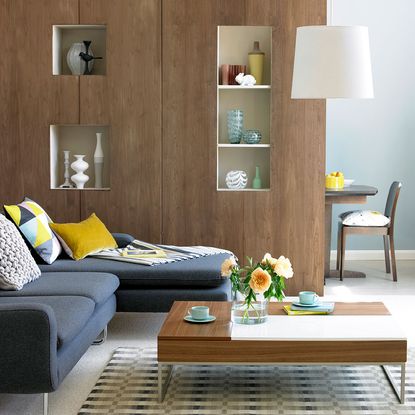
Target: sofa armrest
{"type": "Point", "coordinates": [28, 344]}
{"type": "Point", "coordinates": [123, 239]}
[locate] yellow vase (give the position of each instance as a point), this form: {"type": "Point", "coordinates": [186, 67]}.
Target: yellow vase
{"type": "Point", "coordinates": [256, 63]}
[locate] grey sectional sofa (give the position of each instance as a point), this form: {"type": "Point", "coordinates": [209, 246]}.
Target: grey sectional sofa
{"type": "Point", "coordinates": [48, 325]}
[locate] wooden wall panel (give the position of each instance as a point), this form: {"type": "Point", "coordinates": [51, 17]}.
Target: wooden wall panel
{"type": "Point", "coordinates": [289, 220]}
{"type": "Point", "coordinates": [128, 98]}
{"type": "Point", "coordinates": [34, 99]}
{"type": "Point", "coordinates": [193, 211]}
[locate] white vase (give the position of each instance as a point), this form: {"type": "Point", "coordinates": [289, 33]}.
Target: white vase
{"type": "Point", "coordinates": [75, 62]}
{"type": "Point", "coordinates": [98, 161]}
{"type": "Point", "coordinates": [79, 166]}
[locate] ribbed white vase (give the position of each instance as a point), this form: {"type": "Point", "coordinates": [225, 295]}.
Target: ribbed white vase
{"type": "Point", "coordinates": [98, 161]}
{"type": "Point", "coordinates": [75, 62]}
{"type": "Point", "coordinates": [79, 166]}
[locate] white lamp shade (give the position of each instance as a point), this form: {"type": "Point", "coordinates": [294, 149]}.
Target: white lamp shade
{"type": "Point", "coordinates": [332, 62]}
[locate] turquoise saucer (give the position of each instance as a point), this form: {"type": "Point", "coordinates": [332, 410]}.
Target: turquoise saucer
{"type": "Point", "coordinates": [298, 304]}
{"type": "Point", "coordinates": [190, 319]}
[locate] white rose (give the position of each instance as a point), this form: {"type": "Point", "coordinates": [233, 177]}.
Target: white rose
{"type": "Point", "coordinates": [227, 266]}
{"type": "Point", "coordinates": [283, 267]}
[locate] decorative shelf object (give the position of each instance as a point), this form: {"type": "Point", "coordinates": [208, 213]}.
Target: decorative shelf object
{"type": "Point", "coordinates": [79, 139]}
{"type": "Point", "coordinates": [253, 101]}
{"type": "Point", "coordinates": [65, 36]}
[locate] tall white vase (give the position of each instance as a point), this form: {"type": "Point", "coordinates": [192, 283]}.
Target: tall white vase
{"type": "Point", "coordinates": [98, 161]}
{"type": "Point", "coordinates": [79, 166]}
{"type": "Point", "coordinates": [75, 62]}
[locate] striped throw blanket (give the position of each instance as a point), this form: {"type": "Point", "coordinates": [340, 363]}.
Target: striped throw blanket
{"type": "Point", "coordinates": [165, 254]}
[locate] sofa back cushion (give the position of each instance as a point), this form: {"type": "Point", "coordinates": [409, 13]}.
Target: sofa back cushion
{"type": "Point", "coordinates": [17, 266]}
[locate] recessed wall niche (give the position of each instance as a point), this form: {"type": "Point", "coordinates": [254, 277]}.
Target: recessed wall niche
{"type": "Point", "coordinates": [64, 36]}
{"type": "Point", "coordinates": [78, 140]}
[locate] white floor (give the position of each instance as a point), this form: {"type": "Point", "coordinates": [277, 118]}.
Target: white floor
{"type": "Point", "coordinates": [140, 329]}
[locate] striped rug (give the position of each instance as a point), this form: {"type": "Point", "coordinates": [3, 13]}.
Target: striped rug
{"type": "Point", "coordinates": [128, 385]}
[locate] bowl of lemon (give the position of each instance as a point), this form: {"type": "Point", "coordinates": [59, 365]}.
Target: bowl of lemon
{"type": "Point", "coordinates": [335, 180]}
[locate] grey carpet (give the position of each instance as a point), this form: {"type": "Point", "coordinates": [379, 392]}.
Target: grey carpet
{"type": "Point", "coordinates": [128, 385]}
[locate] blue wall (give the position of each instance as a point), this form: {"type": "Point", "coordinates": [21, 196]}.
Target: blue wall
{"type": "Point", "coordinates": [373, 141]}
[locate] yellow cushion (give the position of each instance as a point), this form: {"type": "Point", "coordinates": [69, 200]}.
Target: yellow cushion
{"type": "Point", "coordinates": [84, 238]}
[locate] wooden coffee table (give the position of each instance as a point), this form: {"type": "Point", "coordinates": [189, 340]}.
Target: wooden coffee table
{"type": "Point", "coordinates": [354, 334]}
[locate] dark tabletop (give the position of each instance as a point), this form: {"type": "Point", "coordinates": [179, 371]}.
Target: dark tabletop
{"type": "Point", "coordinates": [354, 190]}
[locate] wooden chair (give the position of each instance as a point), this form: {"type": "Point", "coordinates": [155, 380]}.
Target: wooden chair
{"type": "Point", "coordinates": [386, 231]}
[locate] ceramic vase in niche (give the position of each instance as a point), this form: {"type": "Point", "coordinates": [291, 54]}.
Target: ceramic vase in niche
{"type": "Point", "coordinates": [256, 183]}
{"type": "Point", "coordinates": [67, 184]}
{"type": "Point", "coordinates": [235, 126]}
{"type": "Point", "coordinates": [236, 179]}
{"type": "Point", "coordinates": [76, 63]}
{"type": "Point", "coordinates": [98, 161]}
{"type": "Point", "coordinates": [79, 166]}
{"type": "Point", "coordinates": [256, 63]}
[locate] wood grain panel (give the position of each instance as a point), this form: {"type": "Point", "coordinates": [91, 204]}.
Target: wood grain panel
{"type": "Point", "coordinates": [318, 352]}
{"type": "Point", "coordinates": [175, 327]}
{"type": "Point", "coordinates": [289, 220]}
{"type": "Point", "coordinates": [34, 99]}
{"type": "Point", "coordinates": [128, 98]}
{"type": "Point", "coordinates": [193, 211]}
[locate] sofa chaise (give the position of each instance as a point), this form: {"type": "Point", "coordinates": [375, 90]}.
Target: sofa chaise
{"type": "Point", "coordinates": [48, 325]}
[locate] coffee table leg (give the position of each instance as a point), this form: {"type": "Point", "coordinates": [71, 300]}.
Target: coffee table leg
{"type": "Point", "coordinates": [162, 386]}
{"type": "Point", "coordinates": [400, 392]}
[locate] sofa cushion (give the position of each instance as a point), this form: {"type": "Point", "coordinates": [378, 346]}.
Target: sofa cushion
{"type": "Point", "coordinates": [95, 286]}
{"type": "Point", "coordinates": [197, 272]}
{"type": "Point", "coordinates": [71, 312]}
{"type": "Point", "coordinates": [34, 223]}
{"type": "Point", "coordinates": [84, 238]}
{"type": "Point", "coordinates": [17, 266]}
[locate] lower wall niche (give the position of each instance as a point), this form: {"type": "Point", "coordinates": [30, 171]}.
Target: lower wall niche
{"type": "Point", "coordinates": [79, 140]}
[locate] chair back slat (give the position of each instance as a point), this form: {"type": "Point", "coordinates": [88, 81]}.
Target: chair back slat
{"type": "Point", "coordinates": [392, 200]}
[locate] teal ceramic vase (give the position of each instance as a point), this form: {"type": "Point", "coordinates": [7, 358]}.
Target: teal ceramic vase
{"type": "Point", "coordinates": [256, 183]}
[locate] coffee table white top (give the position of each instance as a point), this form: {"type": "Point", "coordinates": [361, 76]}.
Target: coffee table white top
{"type": "Point", "coordinates": [317, 328]}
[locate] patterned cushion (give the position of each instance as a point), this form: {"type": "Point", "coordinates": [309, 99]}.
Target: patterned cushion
{"type": "Point", "coordinates": [364, 218]}
{"type": "Point", "coordinates": [33, 223]}
{"type": "Point", "coordinates": [17, 266]}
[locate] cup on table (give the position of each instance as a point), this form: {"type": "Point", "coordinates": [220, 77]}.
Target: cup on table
{"type": "Point", "coordinates": [308, 297]}
{"type": "Point", "coordinates": [199, 312]}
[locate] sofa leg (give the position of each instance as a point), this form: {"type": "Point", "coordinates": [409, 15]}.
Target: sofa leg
{"type": "Point", "coordinates": [45, 403]}
{"type": "Point", "coordinates": [102, 337]}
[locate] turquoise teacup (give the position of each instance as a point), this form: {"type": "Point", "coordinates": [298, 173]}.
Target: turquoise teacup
{"type": "Point", "coordinates": [308, 297]}
{"type": "Point", "coordinates": [199, 312]}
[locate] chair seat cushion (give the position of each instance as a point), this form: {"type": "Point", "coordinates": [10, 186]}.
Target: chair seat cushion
{"type": "Point", "coordinates": [96, 286]}
{"type": "Point", "coordinates": [71, 312]}
{"type": "Point", "coordinates": [364, 218]}
{"type": "Point", "coordinates": [197, 272]}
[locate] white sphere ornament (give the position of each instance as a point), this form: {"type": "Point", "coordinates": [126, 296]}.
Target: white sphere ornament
{"type": "Point", "coordinates": [236, 179]}
{"type": "Point", "coordinates": [75, 63]}
{"type": "Point", "coordinates": [79, 166]}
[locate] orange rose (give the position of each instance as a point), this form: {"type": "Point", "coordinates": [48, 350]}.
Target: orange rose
{"type": "Point", "coordinates": [260, 280]}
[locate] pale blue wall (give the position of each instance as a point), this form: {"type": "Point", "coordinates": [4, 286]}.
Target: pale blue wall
{"type": "Point", "coordinates": [373, 141]}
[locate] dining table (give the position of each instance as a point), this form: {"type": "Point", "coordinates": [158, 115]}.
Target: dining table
{"type": "Point", "coordinates": [354, 194]}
